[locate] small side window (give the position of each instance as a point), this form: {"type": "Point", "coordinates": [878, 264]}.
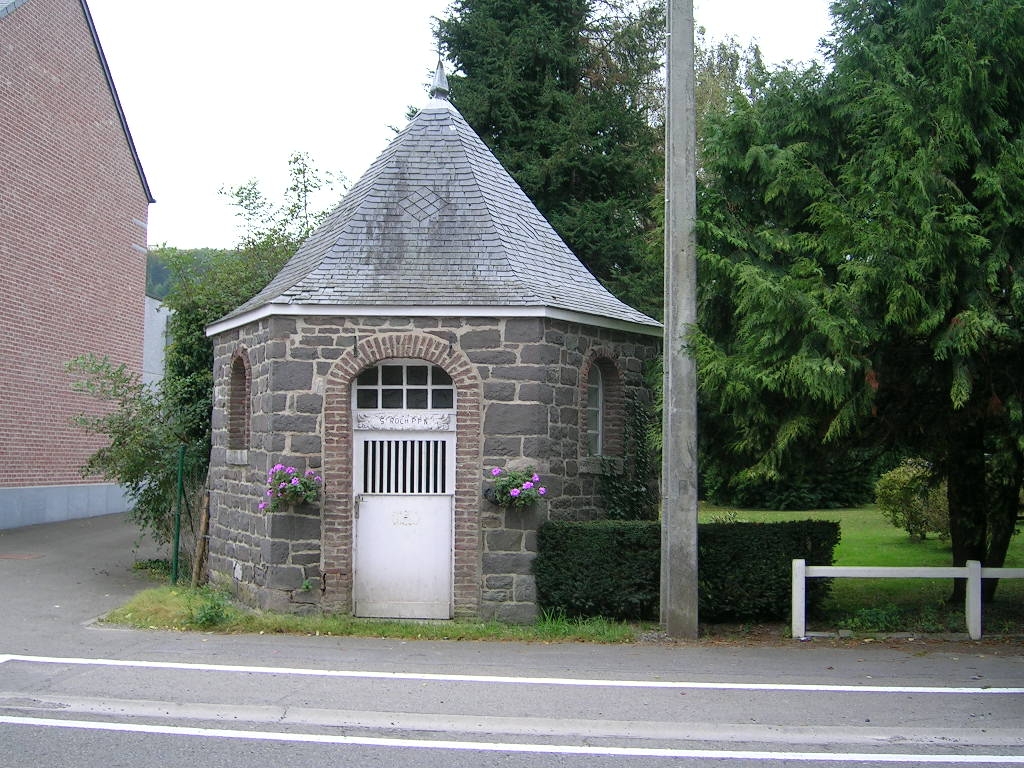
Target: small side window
{"type": "Point", "coordinates": [239, 403]}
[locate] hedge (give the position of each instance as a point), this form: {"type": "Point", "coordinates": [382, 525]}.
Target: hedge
{"type": "Point", "coordinates": [612, 568]}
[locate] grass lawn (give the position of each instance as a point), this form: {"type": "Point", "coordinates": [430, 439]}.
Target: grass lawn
{"type": "Point", "coordinates": [860, 605]}
{"type": "Point", "coordinates": [916, 605]}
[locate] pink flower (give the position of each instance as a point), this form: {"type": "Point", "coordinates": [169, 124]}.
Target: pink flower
{"type": "Point", "coordinates": [528, 485]}
{"type": "Point", "coordinates": [542, 490]}
{"type": "Point", "coordinates": [535, 478]}
{"type": "Point", "coordinates": [514, 492]}
{"type": "Point", "coordinates": [496, 471]}
{"type": "Point", "coordinates": [263, 505]}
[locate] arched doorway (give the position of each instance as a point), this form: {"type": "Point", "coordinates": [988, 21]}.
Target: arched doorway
{"type": "Point", "coordinates": [403, 485]}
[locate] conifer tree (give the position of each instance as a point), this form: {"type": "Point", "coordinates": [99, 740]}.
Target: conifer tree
{"type": "Point", "coordinates": [862, 267]}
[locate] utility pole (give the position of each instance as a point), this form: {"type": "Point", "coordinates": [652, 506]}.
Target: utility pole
{"type": "Point", "coordinates": [679, 420]}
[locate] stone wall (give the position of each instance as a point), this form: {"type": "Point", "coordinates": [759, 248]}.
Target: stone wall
{"type": "Point", "coordinates": [519, 386]}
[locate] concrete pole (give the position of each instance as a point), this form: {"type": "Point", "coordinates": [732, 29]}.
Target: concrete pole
{"type": "Point", "coordinates": [679, 421]}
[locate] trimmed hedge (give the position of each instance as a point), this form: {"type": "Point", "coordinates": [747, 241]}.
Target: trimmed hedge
{"type": "Point", "coordinates": [612, 568]}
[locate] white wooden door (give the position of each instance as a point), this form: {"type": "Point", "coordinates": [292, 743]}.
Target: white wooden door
{"type": "Point", "coordinates": [404, 472]}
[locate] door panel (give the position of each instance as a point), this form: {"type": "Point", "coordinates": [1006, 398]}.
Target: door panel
{"type": "Point", "coordinates": [403, 556]}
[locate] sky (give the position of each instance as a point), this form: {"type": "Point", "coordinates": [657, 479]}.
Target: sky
{"type": "Point", "coordinates": [221, 92]}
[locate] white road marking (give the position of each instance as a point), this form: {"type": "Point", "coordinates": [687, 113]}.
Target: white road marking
{"type": "Point", "coordinates": [282, 715]}
{"type": "Point", "coordinates": [562, 749]}
{"type": "Point", "coordinates": [503, 679]}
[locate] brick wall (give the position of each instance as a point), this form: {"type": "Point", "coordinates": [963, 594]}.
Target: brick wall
{"type": "Point", "coordinates": [519, 387]}
{"type": "Point", "coordinates": [72, 220]}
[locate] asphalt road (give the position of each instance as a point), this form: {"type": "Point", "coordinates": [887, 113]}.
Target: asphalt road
{"type": "Point", "coordinates": [74, 694]}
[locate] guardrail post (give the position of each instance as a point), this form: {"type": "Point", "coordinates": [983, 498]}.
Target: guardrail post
{"type": "Point", "coordinates": [798, 601]}
{"type": "Point", "coordinates": [973, 606]}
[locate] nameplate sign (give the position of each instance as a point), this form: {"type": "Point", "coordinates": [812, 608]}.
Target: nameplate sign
{"type": "Point", "coordinates": [404, 420]}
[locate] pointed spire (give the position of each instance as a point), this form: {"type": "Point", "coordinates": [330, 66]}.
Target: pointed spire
{"type": "Point", "coordinates": [439, 88]}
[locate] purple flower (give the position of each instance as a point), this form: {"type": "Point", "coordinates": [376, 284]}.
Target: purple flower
{"type": "Point", "coordinates": [270, 491]}
{"type": "Point", "coordinates": [514, 492]}
{"type": "Point", "coordinates": [295, 481]}
{"type": "Point", "coordinates": [263, 505]}
{"type": "Point", "coordinates": [535, 478]}
{"type": "Point", "coordinates": [542, 490]}
{"type": "Point", "coordinates": [528, 485]}
{"type": "Point", "coordinates": [310, 473]}
{"type": "Point", "coordinates": [496, 471]}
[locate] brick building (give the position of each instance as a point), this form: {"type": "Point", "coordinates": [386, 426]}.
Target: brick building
{"type": "Point", "coordinates": [433, 328]}
{"type": "Point", "coordinates": [74, 204]}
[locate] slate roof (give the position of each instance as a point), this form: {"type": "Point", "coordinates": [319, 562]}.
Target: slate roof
{"type": "Point", "coordinates": [438, 222]}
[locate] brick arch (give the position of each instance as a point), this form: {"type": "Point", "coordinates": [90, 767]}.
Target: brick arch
{"type": "Point", "coordinates": [614, 406]}
{"type": "Point", "coordinates": [336, 552]}
{"type": "Point", "coordinates": [239, 400]}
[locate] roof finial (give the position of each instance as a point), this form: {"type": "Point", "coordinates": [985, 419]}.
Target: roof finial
{"type": "Point", "coordinates": [439, 88]}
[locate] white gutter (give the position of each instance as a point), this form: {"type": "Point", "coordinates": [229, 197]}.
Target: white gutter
{"type": "Point", "coordinates": [424, 310]}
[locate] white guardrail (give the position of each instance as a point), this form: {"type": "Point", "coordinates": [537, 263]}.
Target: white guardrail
{"type": "Point", "coordinates": [973, 572]}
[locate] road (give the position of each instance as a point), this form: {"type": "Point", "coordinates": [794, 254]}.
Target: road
{"type": "Point", "coordinates": [74, 694]}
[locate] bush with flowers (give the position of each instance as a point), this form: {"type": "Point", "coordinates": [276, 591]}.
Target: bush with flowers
{"type": "Point", "coordinates": [286, 486]}
{"type": "Point", "coordinates": [516, 488]}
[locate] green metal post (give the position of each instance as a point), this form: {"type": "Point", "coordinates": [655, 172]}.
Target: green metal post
{"type": "Point", "coordinates": [177, 514]}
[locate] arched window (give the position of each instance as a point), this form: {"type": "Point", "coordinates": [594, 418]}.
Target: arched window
{"type": "Point", "coordinates": [239, 403]}
{"type": "Point", "coordinates": [405, 384]}
{"type": "Point", "coordinates": [602, 403]}
{"type": "Point", "coordinates": [595, 412]}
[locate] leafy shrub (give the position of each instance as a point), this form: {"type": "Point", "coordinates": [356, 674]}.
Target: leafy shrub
{"type": "Point", "coordinates": [910, 498]}
{"type": "Point", "coordinates": [209, 609]}
{"type": "Point", "coordinates": [612, 568]}
{"type": "Point", "coordinates": [746, 569]}
{"type": "Point", "coordinates": [608, 568]}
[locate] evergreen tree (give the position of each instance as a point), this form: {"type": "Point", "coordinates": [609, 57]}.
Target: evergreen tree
{"type": "Point", "coordinates": [862, 267]}
{"type": "Point", "coordinates": [567, 94]}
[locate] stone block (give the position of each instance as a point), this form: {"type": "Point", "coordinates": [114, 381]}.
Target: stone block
{"type": "Point", "coordinates": [273, 600]}
{"type": "Point", "coordinates": [516, 613]}
{"type": "Point", "coordinates": [498, 581]}
{"type": "Point", "coordinates": [539, 447]}
{"type": "Point", "coordinates": [517, 563]}
{"type": "Point", "coordinates": [275, 551]}
{"type": "Point", "coordinates": [484, 339]}
{"type": "Point", "coordinates": [285, 577]}
{"type": "Point", "coordinates": [516, 419]}
{"type": "Point", "coordinates": [504, 540]}
{"type": "Point", "coordinates": [524, 329]}
{"type": "Point", "coordinates": [542, 354]}
{"type": "Point", "coordinates": [503, 446]}
{"type": "Point", "coordinates": [286, 422]}
{"type": "Point", "coordinates": [525, 590]}
{"type": "Point", "coordinates": [499, 391]}
{"type": "Point", "coordinates": [521, 372]}
{"type": "Point", "coordinates": [309, 404]}
{"type": "Point", "coordinates": [492, 356]}
{"type": "Point", "coordinates": [282, 326]}
{"type": "Point", "coordinates": [305, 444]}
{"type": "Point", "coordinates": [536, 392]}
{"type": "Point", "coordinates": [291, 375]}
{"type": "Point", "coordinates": [291, 527]}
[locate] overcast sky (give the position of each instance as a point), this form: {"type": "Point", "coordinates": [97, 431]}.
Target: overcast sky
{"type": "Point", "coordinates": [218, 92]}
